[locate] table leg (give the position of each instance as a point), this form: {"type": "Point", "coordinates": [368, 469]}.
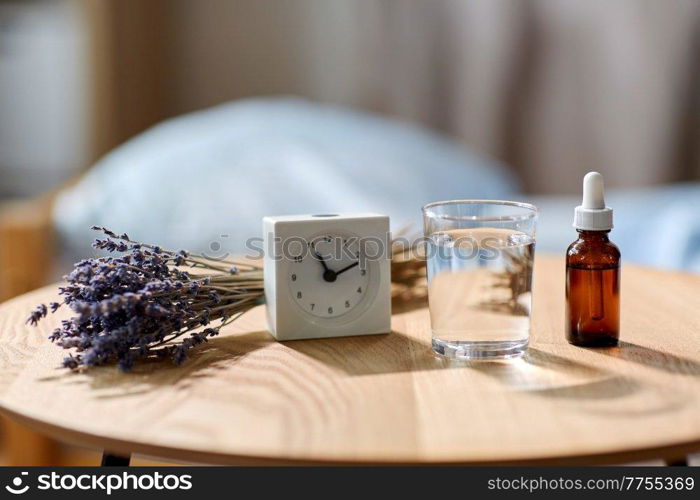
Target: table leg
{"type": "Point", "coordinates": [677, 461]}
{"type": "Point", "coordinates": [109, 460]}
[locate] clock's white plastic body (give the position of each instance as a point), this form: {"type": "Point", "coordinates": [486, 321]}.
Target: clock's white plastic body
{"type": "Point", "coordinates": [327, 275]}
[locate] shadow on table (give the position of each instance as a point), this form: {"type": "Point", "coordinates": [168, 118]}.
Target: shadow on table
{"type": "Point", "coordinates": [653, 358]}
{"type": "Point", "coordinates": [359, 355]}
{"type": "Point", "coordinates": [394, 352]}
{"type": "Point", "coordinates": [152, 373]}
{"type": "Point", "coordinates": [397, 353]}
{"type": "Point", "coordinates": [542, 372]}
{"type": "Point", "coordinates": [408, 300]}
{"type": "Point", "coordinates": [582, 387]}
{"type": "Point", "coordinates": [538, 372]}
{"type": "Point", "coordinates": [576, 385]}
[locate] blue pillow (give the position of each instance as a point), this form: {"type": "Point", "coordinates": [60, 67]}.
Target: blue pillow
{"type": "Point", "coordinates": [203, 181]}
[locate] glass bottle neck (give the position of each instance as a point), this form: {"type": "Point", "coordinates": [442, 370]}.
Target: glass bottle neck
{"type": "Point", "coordinates": [593, 235]}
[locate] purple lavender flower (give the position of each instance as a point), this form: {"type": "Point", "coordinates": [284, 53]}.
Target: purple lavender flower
{"type": "Point", "coordinates": [38, 313]}
{"type": "Point", "coordinates": [138, 304]}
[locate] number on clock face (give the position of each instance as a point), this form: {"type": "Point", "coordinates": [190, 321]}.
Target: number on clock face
{"type": "Point", "coordinates": [329, 279]}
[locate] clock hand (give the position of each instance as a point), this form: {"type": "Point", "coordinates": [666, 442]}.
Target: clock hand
{"type": "Point", "coordinates": [318, 256]}
{"type": "Point", "coordinates": [328, 274]}
{"type": "Point", "coordinates": [347, 268]}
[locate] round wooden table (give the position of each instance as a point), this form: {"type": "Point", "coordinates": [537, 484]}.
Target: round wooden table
{"type": "Point", "coordinates": [245, 399]}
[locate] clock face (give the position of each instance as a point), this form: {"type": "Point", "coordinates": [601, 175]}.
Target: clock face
{"type": "Point", "coordinates": [328, 276]}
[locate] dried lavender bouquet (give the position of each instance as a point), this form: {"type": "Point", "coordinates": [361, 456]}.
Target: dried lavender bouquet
{"type": "Point", "coordinates": [148, 302]}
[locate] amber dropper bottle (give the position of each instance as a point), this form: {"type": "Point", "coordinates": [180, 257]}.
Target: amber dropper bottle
{"type": "Point", "coordinates": [593, 272]}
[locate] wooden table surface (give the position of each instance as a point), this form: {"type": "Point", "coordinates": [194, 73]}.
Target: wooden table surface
{"type": "Point", "coordinates": [245, 399]}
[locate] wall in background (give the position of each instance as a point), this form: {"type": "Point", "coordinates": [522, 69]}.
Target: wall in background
{"type": "Point", "coordinates": [553, 87]}
{"type": "Point", "coordinates": [44, 132]}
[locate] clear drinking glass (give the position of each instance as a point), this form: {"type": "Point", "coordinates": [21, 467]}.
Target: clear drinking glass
{"type": "Point", "coordinates": [479, 257]}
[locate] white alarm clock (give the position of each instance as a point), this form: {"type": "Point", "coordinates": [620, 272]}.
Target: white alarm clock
{"type": "Point", "coordinates": [327, 275]}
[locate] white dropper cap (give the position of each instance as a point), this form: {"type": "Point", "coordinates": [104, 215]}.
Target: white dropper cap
{"type": "Point", "coordinates": [592, 214]}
